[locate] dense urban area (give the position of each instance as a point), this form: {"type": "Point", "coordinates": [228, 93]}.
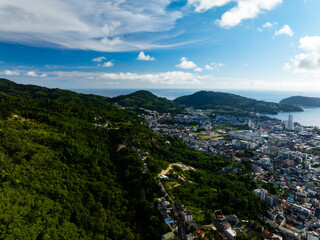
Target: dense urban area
{"type": "Point", "coordinates": [284, 163]}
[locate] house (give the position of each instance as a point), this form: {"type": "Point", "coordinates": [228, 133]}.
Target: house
{"type": "Point", "coordinates": [220, 218]}
{"type": "Point", "coordinates": [188, 216]}
{"type": "Point", "coordinates": [230, 233]}
{"type": "Point", "coordinates": [168, 236]}
{"type": "Point", "coordinates": [200, 233]}
{"type": "Point", "coordinates": [232, 218]}
{"type": "Point", "coordinates": [189, 236]}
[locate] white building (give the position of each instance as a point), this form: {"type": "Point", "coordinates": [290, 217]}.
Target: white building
{"type": "Point", "coordinates": [290, 123]}
{"type": "Point", "coordinates": [261, 193]}
{"type": "Point", "coordinates": [188, 216]}
{"type": "Point", "coordinates": [230, 233]}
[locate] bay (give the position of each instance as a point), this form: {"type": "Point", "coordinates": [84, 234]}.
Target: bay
{"type": "Point", "coordinates": [309, 117]}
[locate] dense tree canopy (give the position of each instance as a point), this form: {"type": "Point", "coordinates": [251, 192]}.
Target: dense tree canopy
{"type": "Point", "coordinates": [226, 102]}
{"type": "Point", "coordinates": [71, 167]}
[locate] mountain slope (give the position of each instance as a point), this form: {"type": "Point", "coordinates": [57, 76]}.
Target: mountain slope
{"type": "Point", "coordinates": [231, 102]}
{"type": "Point", "coordinates": [302, 101]}
{"type": "Point", "coordinates": [139, 99]}
{"type": "Point", "coordinates": [63, 178]}
{"type": "Point", "coordinates": [145, 99]}
{"type": "Point", "coordinates": [37, 92]}
{"type": "Point", "coordinates": [73, 170]}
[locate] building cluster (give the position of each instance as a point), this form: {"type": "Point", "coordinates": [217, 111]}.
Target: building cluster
{"type": "Point", "coordinates": [184, 225]}
{"type": "Point", "coordinates": [282, 153]}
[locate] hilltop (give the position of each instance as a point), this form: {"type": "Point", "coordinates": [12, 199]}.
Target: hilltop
{"type": "Point", "coordinates": [145, 99]}
{"type": "Point", "coordinates": [226, 102]}
{"type": "Point", "coordinates": [136, 100]}
{"type": "Point", "coordinates": [302, 101]}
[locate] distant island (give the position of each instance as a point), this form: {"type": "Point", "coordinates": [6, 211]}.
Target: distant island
{"type": "Point", "coordinates": [302, 101]}
{"type": "Point", "coordinates": [232, 103]}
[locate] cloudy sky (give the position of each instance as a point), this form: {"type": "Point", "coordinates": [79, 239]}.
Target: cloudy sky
{"type": "Point", "coordinates": [187, 44]}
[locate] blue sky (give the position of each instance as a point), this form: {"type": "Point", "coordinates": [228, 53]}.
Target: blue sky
{"type": "Point", "coordinates": [196, 44]}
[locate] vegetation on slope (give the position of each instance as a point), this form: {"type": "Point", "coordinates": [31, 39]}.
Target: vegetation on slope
{"type": "Point", "coordinates": [139, 99]}
{"type": "Point", "coordinates": [302, 101]}
{"type": "Point", "coordinates": [64, 176]}
{"type": "Point", "coordinates": [145, 99]}
{"type": "Point", "coordinates": [226, 102]}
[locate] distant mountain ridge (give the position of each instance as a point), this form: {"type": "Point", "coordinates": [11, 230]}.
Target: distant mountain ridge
{"type": "Point", "coordinates": [302, 101]}
{"type": "Point", "coordinates": [224, 103]}
{"type": "Point", "coordinates": [233, 103]}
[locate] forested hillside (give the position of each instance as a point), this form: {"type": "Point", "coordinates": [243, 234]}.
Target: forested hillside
{"type": "Point", "coordinates": [145, 99]}
{"type": "Point", "coordinates": [302, 101]}
{"type": "Point", "coordinates": [226, 102]}
{"type": "Point", "coordinates": [73, 169]}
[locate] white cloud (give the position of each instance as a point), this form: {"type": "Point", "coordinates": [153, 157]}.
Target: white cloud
{"type": "Point", "coordinates": [285, 30]}
{"type": "Point", "coordinates": [34, 74]}
{"type": "Point", "coordinates": [204, 5]}
{"type": "Point", "coordinates": [244, 9]}
{"type": "Point", "coordinates": [108, 64]}
{"type": "Point", "coordinates": [75, 74]}
{"type": "Point", "coordinates": [198, 69]}
{"type": "Point", "coordinates": [99, 59]}
{"type": "Point", "coordinates": [185, 64]}
{"type": "Point", "coordinates": [81, 24]}
{"type": "Point", "coordinates": [11, 73]}
{"type": "Point", "coordinates": [267, 25]}
{"type": "Point", "coordinates": [167, 78]}
{"type": "Point", "coordinates": [213, 66]}
{"type": "Point", "coordinates": [143, 57]}
{"type": "Point", "coordinates": [308, 62]}
{"type": "Point", "coordinates": [310, 43]}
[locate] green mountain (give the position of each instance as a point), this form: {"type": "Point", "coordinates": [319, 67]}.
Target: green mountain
{"type": "Point", "coordinates": [145, 99]}
{"type": "Point", "coordinates": [302, 101]}
{"type": "Point", "coordinates": [226, 102]}
{"type": "Point", "coordinates": [37, 92]}
{"type": "Point", "coordinates": [85, 169]}
{"type": "Point", "coordinates": [139, 99]}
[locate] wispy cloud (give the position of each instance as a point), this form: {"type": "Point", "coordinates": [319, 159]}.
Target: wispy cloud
{"type": "Point", "coordinates": [167, 78]}
{"type": "Point", "coordinates": [99, 59]}
{"type": "Point", "coordinates": [81, 24]}
{"type": "Point", "coordinates": [214, 66]}
{"type": "Point", "coordinates": [158, 78]}
{"type": "Point", "coordinates": [198, 69]}
{"type": "Point", "coordinates": [267, 25]}
{"type": "Point", "coordinates": [10, 73]}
